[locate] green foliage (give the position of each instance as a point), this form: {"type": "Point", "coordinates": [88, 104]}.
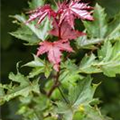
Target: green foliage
{"type": "Point", "coordinates": [114, 28]}
{"type": "Point", "coordinates": [100, 30]}
{"type": "Point", "coordinates": [36, 3]}
{"type": "Point", "coordinates": [79, 95]}
{"type": "Point", "coordinates": [45, 94]}
{"type": "Point", "coordinates": [29, 32]}
{"type": "Point", "coordinates": [39, 66]}
{"type": "Point", "coordinates": [76, 93]}
{"type": "Point", "coordinates": [111, 7]}
{"type": "Point", "coordinates": [39, 105]}
{"type": "Point", "coordinates": [23, 87]}
{"type": "Point", "coordinates": [94, 114]}
{"type": "Point", "coordinates": [87, 65]}
{"type": "Point", "coordinates": [108, 60]}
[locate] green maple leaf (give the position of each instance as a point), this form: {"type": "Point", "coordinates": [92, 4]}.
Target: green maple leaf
{"type": "Point", "coordinates": [100, 30]}
{"type": "Point", "coordinates": [82, 93]}
{"type": "Point", "coordinates": [79, 94]}
{"type": "Point", "coordinates": [98, 27]}
{"type": "Point", "coordinates": [108, 61]}
{"type": "Point", "coordinates": [29, 32]}
{"type": "Point", "coordinates": [23, 87]}
{"type": "Point", "coordinates": [35, 4]}
{"type": "Point", "coordinates": [39, 66]}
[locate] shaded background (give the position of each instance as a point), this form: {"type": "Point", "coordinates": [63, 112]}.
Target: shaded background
{"type": "Point", "coordinates": [13, 50]}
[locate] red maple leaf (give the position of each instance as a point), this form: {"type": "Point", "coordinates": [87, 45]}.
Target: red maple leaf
{"type": "Point", "coordinates": [64, 31]}
{"type": "Point", "coordinates": [53, 50]}
{"type": "Point", "coordinates": [41, 13]}
{"type": "Point", "coordinates": [74, 9]}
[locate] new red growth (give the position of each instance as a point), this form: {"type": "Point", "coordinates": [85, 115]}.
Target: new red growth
{"type": "Point", "coordinates": [63, 27]}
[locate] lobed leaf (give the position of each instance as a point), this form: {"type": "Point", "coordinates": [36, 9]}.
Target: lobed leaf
{"type": "Point", "coordinates": [79, 94]}
{"type": "Point", "coordinates": [100, 30]}
{"type": "Point", "coordinates": [29, 32]}
{"type": "Point", "coordinates": [87, 65]}
{"type": "Point", "coordinates": [24, 88]}
{"type": "Point", "coordinates": [35, 3]}
{"type": "Point", "coordinates": [93, 113]}
{"type": "Point", "coordinates": [82, 93]}
{"type": "Point", "coordinates": [114, 28]}
{"type": "Point", "coordinates": [108, 61]}
{"type": "Point", "coordinates": [39, 66]}
{"type": "Point", "coordinates": [98, 27]}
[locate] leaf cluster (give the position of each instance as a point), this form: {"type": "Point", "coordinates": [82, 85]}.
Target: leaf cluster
{"type": "Point", "coordinates": [71, 90]}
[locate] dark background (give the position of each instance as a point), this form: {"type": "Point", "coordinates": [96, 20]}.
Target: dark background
{"type": "Point", "coordinates": [13, 50]}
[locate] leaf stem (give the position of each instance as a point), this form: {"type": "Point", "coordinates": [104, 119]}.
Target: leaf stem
{"type": "Point", "coordinates": [62, 95]}
{"type": "Point", "coordinates": [55, 3]}
{"type": "Point", "coordinates": [56, 84]}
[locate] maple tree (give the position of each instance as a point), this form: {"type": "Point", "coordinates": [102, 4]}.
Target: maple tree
{"type": "Point", "coordinates": [59, 85]}
{"type": "Point", "coordinates": [63, 27]}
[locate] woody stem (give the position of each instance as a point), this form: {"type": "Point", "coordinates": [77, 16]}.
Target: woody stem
{"type": "Point", "coordinates": [56, 83]}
